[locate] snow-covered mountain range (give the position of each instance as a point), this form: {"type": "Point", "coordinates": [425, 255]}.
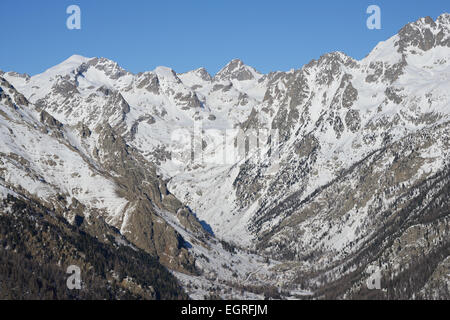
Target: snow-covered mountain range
{"type": "Point", "coordinates": [245, 183]}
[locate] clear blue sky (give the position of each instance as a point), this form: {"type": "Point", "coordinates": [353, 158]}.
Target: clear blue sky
{"type": "Point", "coordinates": [184, 35]}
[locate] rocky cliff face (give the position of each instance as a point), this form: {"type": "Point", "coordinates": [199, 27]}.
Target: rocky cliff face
{"type": "Point", "coordinates": [311, 176]}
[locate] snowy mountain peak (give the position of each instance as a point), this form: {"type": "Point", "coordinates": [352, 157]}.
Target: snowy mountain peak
{"type": "Point", "coordinates": [330, 58]}
{"type": "Point", "coordinates": [167, 74]}
{"type": "Point", "coordinates": [444, 19]}
{"type": "Point", "coordinates": [75, 59]}
{"type": "Point", "coordinates": [424, 34]}
{"type": "Point", "coordinates": [237, 70]}
{"type": "Point", "coordinates": [69, 64]}
{"type": "Point", "coordinates": [196, 78]}
{"type": "Point", "coordinates": [235, 64]}
{"type": "Point", "coordinates": [109, 67]}
{"type": "Point", "coordinates": [203, 74]}
{"type": "Point", "coordinates": [415, 38]}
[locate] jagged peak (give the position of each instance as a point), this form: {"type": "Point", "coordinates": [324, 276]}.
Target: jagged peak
{"type": "Point", "coordinates": [203, 74]}
{"type": "Point", "coordinates": [76, 58]}
{"type": "Point", "coordinates": [334, 58]}
{"type": "Point", "coordinates": [108, 66]}
{"type": "Point", "coordinates": [444, 19]}
{"type": "Point", "coordinates": [235, 64]}
{"type": "Point", "coordinates": [236, 69]}
{"type": "Point", "coordinates": [165, 71]}
{"type": "Point", "coordinates": [79, 64]}
{"type": "Point", "coordinates": [65, 67]}
{"type": "Point", "coordinates": [425, 33]}
{"type": "Point", "coordinates": [167, 74]}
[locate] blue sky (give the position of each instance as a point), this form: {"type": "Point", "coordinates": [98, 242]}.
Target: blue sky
{"type": "Point", "coordinates": [184, 35]}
